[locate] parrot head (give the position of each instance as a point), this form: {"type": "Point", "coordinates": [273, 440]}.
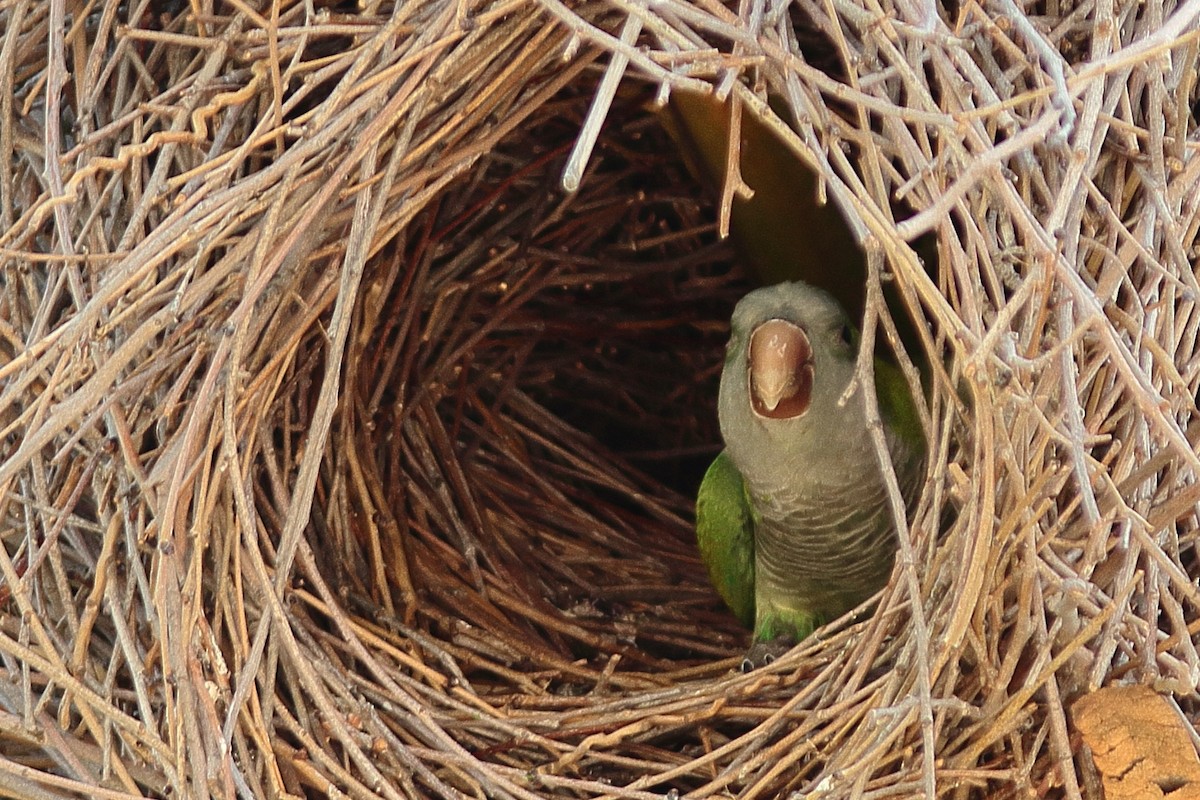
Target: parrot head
{"type": "Point", "coordinates": [791, 356]}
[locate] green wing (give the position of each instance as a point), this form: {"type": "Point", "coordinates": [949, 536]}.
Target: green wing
{"type": "Point", "coordinates": [896, 404]}
{"type": "Point", "coordinates": [725, 533]}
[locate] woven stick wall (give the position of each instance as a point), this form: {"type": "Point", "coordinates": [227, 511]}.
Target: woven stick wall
{"type": "Point", "coordinates": [345, 455]}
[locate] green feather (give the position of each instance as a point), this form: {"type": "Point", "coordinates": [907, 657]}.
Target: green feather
{"type": "Point", "coordinates": [725, 533]}
{"type": "Point", "coordinates": [896, 404]}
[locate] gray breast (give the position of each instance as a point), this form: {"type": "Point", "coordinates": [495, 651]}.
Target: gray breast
{"type": "Point", "coordinates": [827, 542]}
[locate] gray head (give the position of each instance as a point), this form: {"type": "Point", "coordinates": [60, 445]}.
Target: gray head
{"type": "Point", "coordinates": [791, 356]}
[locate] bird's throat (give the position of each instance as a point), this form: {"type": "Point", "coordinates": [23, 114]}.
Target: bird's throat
{"type": "Point", "coordinates": [780, 370]}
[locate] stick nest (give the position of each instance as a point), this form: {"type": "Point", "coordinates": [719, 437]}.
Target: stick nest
{"type": "Point", "coordinates": [344, 455]}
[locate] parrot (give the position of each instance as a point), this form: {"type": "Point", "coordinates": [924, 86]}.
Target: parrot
{"type": "Point", "coordinates": [793, 518]}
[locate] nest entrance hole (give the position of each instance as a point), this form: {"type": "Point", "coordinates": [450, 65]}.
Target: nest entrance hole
{"type": "Point", "coordinates": [533, 391]}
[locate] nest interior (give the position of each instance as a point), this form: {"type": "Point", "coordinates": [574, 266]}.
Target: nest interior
{"type": "Point", "coordinates": [345, 454]}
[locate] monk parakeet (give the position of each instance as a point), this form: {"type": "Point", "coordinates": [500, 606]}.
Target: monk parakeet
{"type": "Point", "coordinates": [793, 517]}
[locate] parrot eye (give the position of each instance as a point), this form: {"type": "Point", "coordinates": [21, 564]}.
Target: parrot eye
{"type": "Point", "coordinates": [846, 334]}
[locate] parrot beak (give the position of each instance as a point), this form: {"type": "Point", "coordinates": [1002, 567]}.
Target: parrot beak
{"type": "Point", "coordinates": [781, 370]}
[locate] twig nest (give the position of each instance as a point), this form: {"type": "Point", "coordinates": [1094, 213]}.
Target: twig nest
{"type": "Point", "coordinates": [344, 454]}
